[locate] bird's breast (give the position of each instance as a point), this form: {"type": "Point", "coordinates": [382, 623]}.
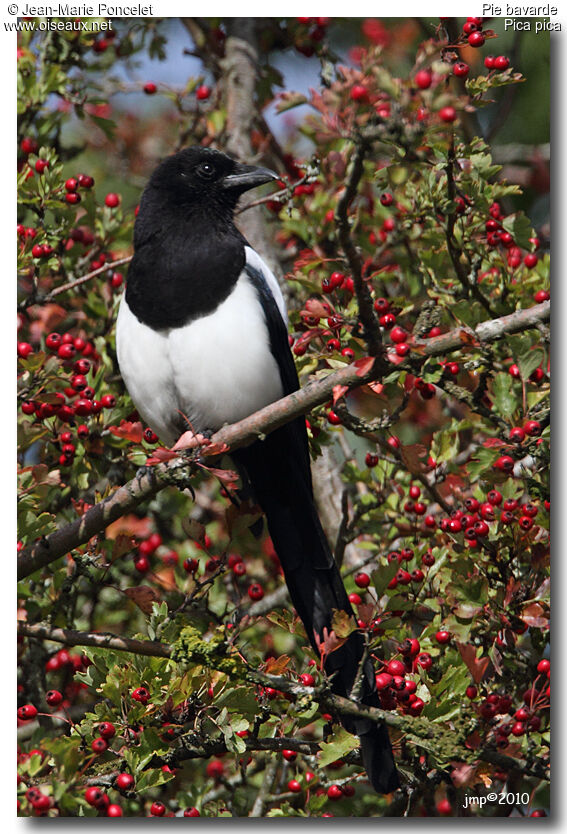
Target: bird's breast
{"type": "Point", "coordinates": [217, 369]}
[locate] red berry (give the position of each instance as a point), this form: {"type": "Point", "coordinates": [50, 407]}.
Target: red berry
{"type": "Point", "coordinates": [448, 114]}
{"type": "Point", "coordinates": [53, 697]}
{"type": "Point", "coordinates": [215, 769]}
{"type": "Point", "coordinates": [141, 695]}
{"type": "Point", "coordinates": [94, 796]}
{"type": "Point", "coordinates": [24, 350]}
{"type": "Point", "coordinates": [72, 198]}
{"type": "Point", "coordinates": [294, 786]}
{"type": "Point", "coordinates": [424, 660]}
{"type": "Point", "coordinates": [423, 79]}
{"type": "Point", "coordinates": [114, 810]}
{"type": "Point", "coordinates": [394, 442]}
{"type": "Point", "coordinates": [386, 199]}
{"type": "Point", "coordinates": [112, 200]}
{"type": "Point", "coordinates": [371, 460]}
{"type": "Point", "coordinates": [157, 809]}
{"type": "Point", "coordinates": [443, 637]}
{"type": "Point", "coordinates": [444, 807]}
{"type": "Point", "coordinates": [125, 781]}
{"type": "Point", "coordinates": [107, 729]}
{"type": "Point", "coordinates": [191, 812]}
{"type": "Point", "coordinates": [150, 88]}
{"type": "Point", "coordinates": [471, 692]}
{"type": "Point", "coordinates": [540, 296]}
{"type": "Point", "coordinates": [41, 165]}
{"type": "Point", "coordinates": [27, 712]}
{"type": "Point", "coordinates": [202, 92]}
{"type": "Point", "coordinates": [476, 39]}
{"type": "Point", "coordinates": [307, 679]}
{"type": "Point", "coordinates": [85, 181]}
{"type": "Point", "coordinates": [358, 93]}
{"type": "Point", "coordinates": [255, 592]}
{"type": "Point", "coordinates": [504, 463]}
{"type": "Point", "coordinates": [71, 184]}
{"type": "Point", "coordinates": [29, 145]}
{"type": "Point", "coordinates": [461, 70]}
{"type": "Point", "coordinates": [544, 666]}
{"type": "Point", "coordinates": [289, 755]}
{"type": "Point", "coordinates": [66, 351]}
{"type": "Point", "coordinates": [398, 335]}
{"type": "Point", "coordinates": [416, 707]}
{"type": "Point", "coordinates": [501, 62]}
{"type": "Point", "coordinates": [525, 522]}
{"type": "Point", "coordinates": [99, 745]}
{"type": "Point", "coordinates": [362, 580]}
{"type": "Point", "coordinates": [382, 305]}
{"type": "Point", "coordinates": [334, 792]}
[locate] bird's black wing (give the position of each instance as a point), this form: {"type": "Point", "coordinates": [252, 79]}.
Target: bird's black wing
{"type": "Point", "coordinates": [279, 346]}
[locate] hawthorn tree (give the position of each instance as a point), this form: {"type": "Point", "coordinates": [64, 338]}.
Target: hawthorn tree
{"type": "Point", "coordinates": [161, 669]}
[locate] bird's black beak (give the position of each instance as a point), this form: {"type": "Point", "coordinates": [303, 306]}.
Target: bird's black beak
{"type": "Point", "coordinates": [245, 177]}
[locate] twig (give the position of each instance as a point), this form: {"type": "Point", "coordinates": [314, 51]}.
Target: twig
{"type": "Point", "coordinates": [45, 299]}
{"type": "Point", "coordinates": [470, 288]}
{"type": "Point", "coordinates": [365, 307]}
{"type": "Point", "coordinates": [265, 788]}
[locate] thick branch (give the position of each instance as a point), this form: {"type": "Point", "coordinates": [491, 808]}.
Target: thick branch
{"type": "Point", "coordinates": [144, 486]}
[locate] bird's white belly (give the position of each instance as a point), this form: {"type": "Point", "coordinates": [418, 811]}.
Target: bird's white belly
{"type": "Point", "coordinates": [218, 369]}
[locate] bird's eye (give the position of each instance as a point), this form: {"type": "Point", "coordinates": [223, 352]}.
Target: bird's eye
{"type": "Point", "coordinates": [206, 170]}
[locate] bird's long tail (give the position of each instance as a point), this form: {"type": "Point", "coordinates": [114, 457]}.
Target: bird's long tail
{"type": "Point", "coordinates": [283, 490]}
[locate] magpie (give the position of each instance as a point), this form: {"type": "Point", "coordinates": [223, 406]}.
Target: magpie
{"type": "Point", "coordinates": [201, 342]}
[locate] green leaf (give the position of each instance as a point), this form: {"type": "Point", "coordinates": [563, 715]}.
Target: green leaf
{"type": "Point", "coordinates": [503, 395]}
{"type": "Point", "coordinates": [340, 743]}
{"type": "Point", "coordinates": [530, 361]}
{"type": "Point", "coordinates": [520, 228]}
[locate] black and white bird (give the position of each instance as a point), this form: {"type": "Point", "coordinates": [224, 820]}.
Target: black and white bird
{"type": "Point", "coordinates": [202, 339]}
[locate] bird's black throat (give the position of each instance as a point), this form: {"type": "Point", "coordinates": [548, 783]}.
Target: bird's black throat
{"type": "Point", "coordinates": [185, 267]}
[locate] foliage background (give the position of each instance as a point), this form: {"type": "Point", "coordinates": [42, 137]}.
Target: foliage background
{"type": "Point", "coordinates": [121, 164]}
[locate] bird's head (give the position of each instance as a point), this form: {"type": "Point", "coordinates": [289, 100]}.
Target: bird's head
{"type": "Point", "coordinates": [205, 177]}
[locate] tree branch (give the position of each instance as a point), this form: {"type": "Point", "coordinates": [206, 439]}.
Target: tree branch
{"type": "Point", "coordinates": [126, 498]}
{"type": "Point", "coordinates": [367, 315]}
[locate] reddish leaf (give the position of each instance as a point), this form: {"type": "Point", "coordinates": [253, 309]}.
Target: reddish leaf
{"type": "Point", "coordinates": [414, 457]}
{"type": "Point", "coordinates": [227, 477]}
{"type": "Point", "coordinates": [364, 365]}
{"type": "Point", "coordinates": [129, 525]}
{"type": "Point", "coordinates": [338, 392]}
{"type": "Point", "coordinates": [190, 440]}
{"type": "Point", "coordinates": [534, 615]}
{"type": "Point", "coordinates": [375, 387]}
{"type": "Point", "coordinates": [493, 443]}
{"type": "Point", "coordinates": [129, 431]}
{"type": "Point", "coordinates": [476, 666]}
{"type": "Point", "coordinates": [194, 530]}
{"type": "Point", "coordinates": [276, 665]}
{"type": "Point", "coordinates": [329, 643]}
{"type": "Point", "coordinates": [143, 596]}
{"type": "Point", "coordinates": [123, 543]}
{"type": "Point", "coordinates": [160, 455]}
{"type": "Point", "coordinates": [468, 337]}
